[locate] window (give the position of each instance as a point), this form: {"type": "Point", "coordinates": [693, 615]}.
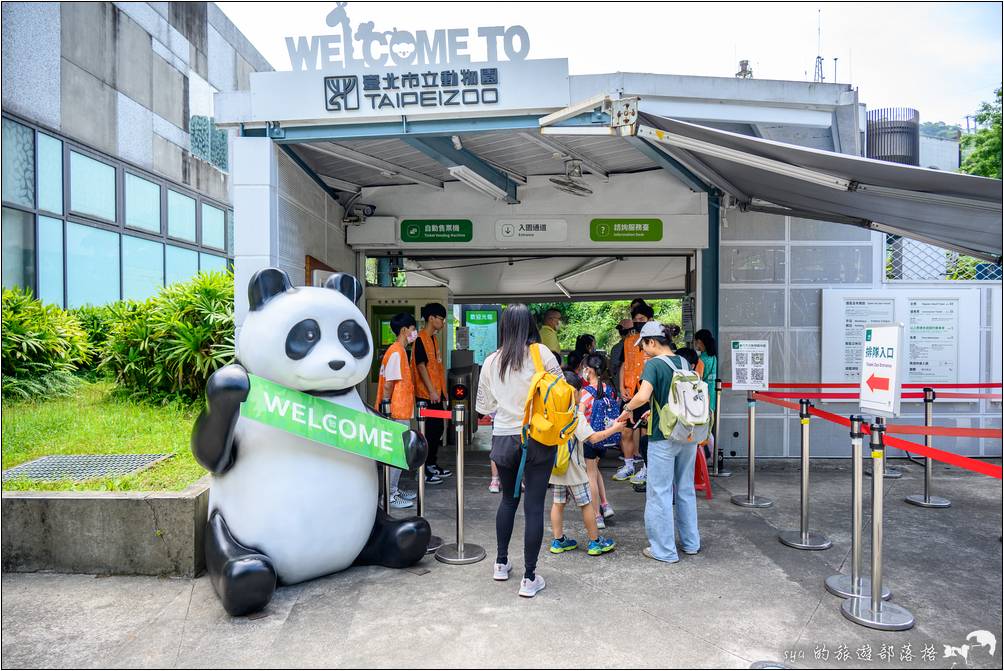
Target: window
{"type": "Point", "coordinates": [92, 187]}
{"type": "Point", "coordinates": [18, 164]}
{"type": "Point", "coordinates": [92, 265]}
{"type": "Point", "coordinates": [230, 232]}
{"type": "Point", "coordinates": [142, 267]}
{"type": "Point", "coordinates": [210, 262]}
{"type": "Point", "coordinates": [50, 260]}
{"type": "Point", "coordinates": [142, 204]}
{"type": "Point", "coordinates": [213, 226]}
{"type": "Point", "coordinates": [50, 174]}
{"type": "Point", "coordinates": [180, 216]}
{"type": "Point", "coordinates": [182, 264]}
{"type": "Point", "coordinates": [18, 239]}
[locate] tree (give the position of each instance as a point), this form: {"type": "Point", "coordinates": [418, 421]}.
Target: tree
{"type": "Point", "coordinates": [940, 130]}
{"type": "Point", "coordinates": [985, 144]}
{"type": "Point", "coordinates": [600, 318]}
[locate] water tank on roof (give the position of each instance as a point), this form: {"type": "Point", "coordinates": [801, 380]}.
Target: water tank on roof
{"type": "Point", "coordinates": [894, 135]}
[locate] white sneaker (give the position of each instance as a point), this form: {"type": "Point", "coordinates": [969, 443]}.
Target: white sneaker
{"type": "Point", "coordinates": [606, 510]}
{"type": "Point", "coordinates": [502, 571]}
{"type": "Point", "coordinates": [625, 472]}
{"type": "Point", "coordinates": [600, 524]}
{"type": "Point", "coordinates": [398, 503]}
{"type": "Point", "coordinates": [640, 476]}
{"type": "Point", "coordinates": [407, 494]}
{"type": "Point", "coordinates": [529, 588]}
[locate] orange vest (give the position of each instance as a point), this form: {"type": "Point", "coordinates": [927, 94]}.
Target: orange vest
{"type": "Point", "coordinates": [634, 363]}
{"type": "Point", "coordinates": [437, 374]}
{"type": "Point", "coordinates": [402, 399]}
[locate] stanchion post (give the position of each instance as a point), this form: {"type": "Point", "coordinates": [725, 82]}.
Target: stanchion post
{"type": "Point", "coordinates": [928, 501]}
{"type": "Point", "coordinates": [384, 468]}
{"type": "Point", "coordinates": [435, 542]}
{"type": "Point", "coordinates": [715, 445]}
{"type": "Point", "coordinates": [873, 612]}
{"type": "Point", "coordinates": [855, 585]}
{"type": "Point", "coordinates": [751, 500]}
{"type": "Point", "coordinates": [803, 539]}
{"type": "Point", "coordinates": [460, 552]}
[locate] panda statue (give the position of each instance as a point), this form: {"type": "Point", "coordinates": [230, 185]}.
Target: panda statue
{"type": "Point", "coordinates": [284, 509]}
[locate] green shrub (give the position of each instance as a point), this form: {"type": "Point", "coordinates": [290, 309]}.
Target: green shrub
{"type": "Point", "coordinates": [96, 321]}
{"type": "Point", "coordinates": [168, 346]}
{"type": "Point", "coordinates": [43, 346]}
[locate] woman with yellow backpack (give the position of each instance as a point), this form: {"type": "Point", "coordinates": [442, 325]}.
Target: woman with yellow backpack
{"type": "Point", "coordinates": [508, 387]}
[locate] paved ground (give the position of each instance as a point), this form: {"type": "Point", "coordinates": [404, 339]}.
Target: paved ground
{"type": "Point", "coordinates": [744, 598]}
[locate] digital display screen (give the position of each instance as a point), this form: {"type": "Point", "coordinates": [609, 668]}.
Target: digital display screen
{"type": "Point", "coordinates": [387, 336]}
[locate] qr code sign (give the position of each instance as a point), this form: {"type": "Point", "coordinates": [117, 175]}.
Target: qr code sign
{"type": "Point", "coordinates": [741, 375]}
{"type": "Point", "coordinates": [742, 359]}
{"type": "Point", "coordinates": [756, 374]}
{"type": "Point", "coordinates": [757, 359]}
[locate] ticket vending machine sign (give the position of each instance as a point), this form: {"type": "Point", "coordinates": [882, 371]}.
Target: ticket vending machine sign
{"type": "Point", "coordinates": [881, 370]}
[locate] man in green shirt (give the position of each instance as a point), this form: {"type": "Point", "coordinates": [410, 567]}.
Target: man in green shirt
{"type": "Point", "coordinates": [549, 331]}
{"type": "Point", "coordinates": [670, 463]}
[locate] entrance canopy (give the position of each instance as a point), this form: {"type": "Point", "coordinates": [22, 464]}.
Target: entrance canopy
{"type": "Point", "coordinates": [956, 211]}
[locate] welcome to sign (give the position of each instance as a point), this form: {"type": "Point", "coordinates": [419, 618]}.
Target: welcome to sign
{"type": "Point", "coordinates": [324, 422]}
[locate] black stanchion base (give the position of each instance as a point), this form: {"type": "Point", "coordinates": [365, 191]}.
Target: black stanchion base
{"type": "Point", "coordinates": [889, 616]}
{"type": "Point", "coordinates": [435, 542]}
{"type": "Point", "coordinates": [722, 474]}
{"type": "Point", "coordinates": [452, 554]}
{"type": "Point", "coordinates": [889, 473]}
{"type": "Point", "coordinates": [746, 501]}
{"type": "Point", "coordinates": [809, 541]}
{"type": "Point", "coordinates": [840, 585]}
{"type": "Point", "coordinates": [928, 502]}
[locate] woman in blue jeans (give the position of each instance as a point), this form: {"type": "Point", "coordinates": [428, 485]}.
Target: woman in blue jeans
{"type": "Point", "coordinates": [670, 463]}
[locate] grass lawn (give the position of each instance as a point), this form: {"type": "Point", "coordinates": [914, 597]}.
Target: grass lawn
{"type": "Point", "coordinates": [92, 421]}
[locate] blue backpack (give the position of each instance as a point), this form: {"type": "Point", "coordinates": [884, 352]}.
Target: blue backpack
{"type": "Point", "coordinates": [606, 409]}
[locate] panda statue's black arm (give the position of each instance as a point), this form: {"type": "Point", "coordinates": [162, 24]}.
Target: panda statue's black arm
{"type": "Point", "coordinates": [213, 433]}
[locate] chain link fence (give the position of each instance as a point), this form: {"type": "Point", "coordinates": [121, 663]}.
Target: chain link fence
{"type": "Point", "coordinates": [907, 259]}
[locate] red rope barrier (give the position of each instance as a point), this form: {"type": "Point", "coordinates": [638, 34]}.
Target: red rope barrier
{"type": "Point", "coordinates": [947, 457]}
{"type": "Point", "coordinates": [909, 429]}
{"type": "Point", "coordinates": [950, 394]}
{"type": "Point", "coordinates": [855, 385]}
{"type": "Point", "coordinates": [949, 385]}
{"type": "Point", "coordinates": [778, 394]}
{"type": "Point", "coordinates": [438, 414]}
{"type": "Point", "coordinates": [776, 401]}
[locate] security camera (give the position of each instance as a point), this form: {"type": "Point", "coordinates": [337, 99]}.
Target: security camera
{"type": "Point", "coordinates": [364, 209]}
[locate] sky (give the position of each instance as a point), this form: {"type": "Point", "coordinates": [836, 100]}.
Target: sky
{"type": "Point", "coordinates": [940, 58]}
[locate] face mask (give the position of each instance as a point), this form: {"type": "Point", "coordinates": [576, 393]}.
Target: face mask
{"type": "Point", "coordinates": [412, 336]}
{"type": "Point", "coordinates": [638, 325]}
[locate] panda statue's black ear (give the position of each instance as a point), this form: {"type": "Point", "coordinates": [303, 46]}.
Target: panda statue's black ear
{"type": "Point", "coordinates": [345, 284]}
{"type": "Point", "coordinates": [265, 285]}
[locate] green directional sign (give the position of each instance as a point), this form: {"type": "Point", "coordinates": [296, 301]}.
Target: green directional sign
{"type": "Point", "coordinates": [437, 230]}
{"type": "Point", "coordinates": [482, 317]}
{"type": "Point", "coordinates": [316, 419]}
{"type": "Point", "coordinates": [625, 230]}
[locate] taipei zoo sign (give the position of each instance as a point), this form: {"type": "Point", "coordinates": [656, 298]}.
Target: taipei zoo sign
{"type": "Point", "coordinates": [366, 47]}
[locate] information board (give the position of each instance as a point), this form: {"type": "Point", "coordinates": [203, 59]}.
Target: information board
{"type": "Point", "coordinates": [880, 373]}
{"type": "Point", "coordinates": [482, 325]}
{"type": "Point", "coordinates": [750, 365]}
{"type": "Point", "coordinates": [941, 332]}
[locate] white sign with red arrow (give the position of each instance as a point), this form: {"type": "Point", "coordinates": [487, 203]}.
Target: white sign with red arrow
{"type": "Point", "coordinates": [880, 369]}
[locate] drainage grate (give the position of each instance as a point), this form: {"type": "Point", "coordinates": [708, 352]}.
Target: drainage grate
{"type": "Point", "coordinates": [83, 466]}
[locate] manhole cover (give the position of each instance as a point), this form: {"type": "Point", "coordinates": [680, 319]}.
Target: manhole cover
{"type": "Point", "coordinates": [82, 466]}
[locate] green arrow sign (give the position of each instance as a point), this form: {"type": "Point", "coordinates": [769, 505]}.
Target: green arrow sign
{"type": "Point", "coordinates": [321, 421]}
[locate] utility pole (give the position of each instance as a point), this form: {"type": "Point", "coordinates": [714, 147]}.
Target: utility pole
{"type": "Point", "coordinates": [835, 69]}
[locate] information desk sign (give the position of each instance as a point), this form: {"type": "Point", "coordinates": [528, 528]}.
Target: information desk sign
{"type": "Point", "coordinates": [750, 365]}
{"type": "Point", "coordinates": [881, 369]}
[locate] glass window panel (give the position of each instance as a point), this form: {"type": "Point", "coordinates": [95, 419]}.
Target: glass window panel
{"type": "Point", "coordinates": [213, 226]}
{"type": "Point", "coordinates": [209, 262]}
{"type": "Point", "coordinates": [142, 204]}
{"type": "Point", "coordinates": [182, 264]}
{"type": "Point", "coordinates": [92, 265]}
{"type": "Point", "coordinates": [50, 174]}
{"type": "Point", "coordinates": [92, 187]}
{"type": "Point", "coordinates": [18, 164]}
{"type": "Point", "coordinates": [752, 264]}
{"type": "Point", "coordinates": [831, 265]}
{"type": "Point", "coordinates": [180, 216]}
{"type": "Point", "coordinates": [18, 238]}
{"type": "Point", "coordinates": [50, 260]}
{"type": "Point", "coordinates": [142, 267]}
{"type": "Point", "coordinates": [230, 232]}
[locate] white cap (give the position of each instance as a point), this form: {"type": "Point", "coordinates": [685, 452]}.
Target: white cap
{"type": "Point", "coordinates": [650, 330]}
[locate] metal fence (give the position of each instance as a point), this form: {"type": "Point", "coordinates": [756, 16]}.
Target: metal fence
{"type": "Point", "coordinates": [907, 259]}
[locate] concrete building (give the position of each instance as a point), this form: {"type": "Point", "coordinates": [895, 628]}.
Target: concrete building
{"type": "Point", "coordinates": [115, 178]}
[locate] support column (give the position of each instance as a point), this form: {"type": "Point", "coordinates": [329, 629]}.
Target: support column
{"type": "Point", "coordinates": [709, 269]}
{"type": "Point", "coordinates": [255, 182]}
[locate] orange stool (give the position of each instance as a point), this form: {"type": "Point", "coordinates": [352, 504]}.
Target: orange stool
{"type": "Point", "coordinates": [702, 480]}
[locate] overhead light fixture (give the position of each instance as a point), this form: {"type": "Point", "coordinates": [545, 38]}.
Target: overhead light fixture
{"type": "Point", "coordinates": [477, 182]}
{"type": "Point", "coordinates": [743, 158]}
{"type": "Point", "coordinates": [573, 181]}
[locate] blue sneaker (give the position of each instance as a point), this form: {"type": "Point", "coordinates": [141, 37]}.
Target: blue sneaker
{"type": "Point", "coordinates": [601, 545]}
{"type": "Point", "coordinates": [563, 544]}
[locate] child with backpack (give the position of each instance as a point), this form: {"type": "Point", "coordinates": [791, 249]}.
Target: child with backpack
{"type": "Point", "coordinates": [573, 484]}
{"type": "Point", "coordinates": [679, 420]}
{"type": "Point", "coordinates": [600, 406]}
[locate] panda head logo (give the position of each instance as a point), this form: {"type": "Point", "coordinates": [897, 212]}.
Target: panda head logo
{"type": "Point", "coordinates": [306, 338]}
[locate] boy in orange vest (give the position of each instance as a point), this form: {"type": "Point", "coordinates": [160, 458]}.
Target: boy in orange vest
{"type": "Point", "coordinates": [396, 386]}
{"type": "Point", "coordinates": [430, 385]}
{"type": "Point", "coordinates": [634, 441]}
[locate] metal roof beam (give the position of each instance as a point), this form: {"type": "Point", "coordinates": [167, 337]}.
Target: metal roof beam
{"type": "Point", "coordinates": [340, 184]}
{"type": "Point", "coordinates": [669, 164]}
{"type": "Point", "coordinates": [561, 148]}
{"type": "Point", "coordinates": [365, 160]}
{"type": "Point", "coordinates": [441, 149]}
